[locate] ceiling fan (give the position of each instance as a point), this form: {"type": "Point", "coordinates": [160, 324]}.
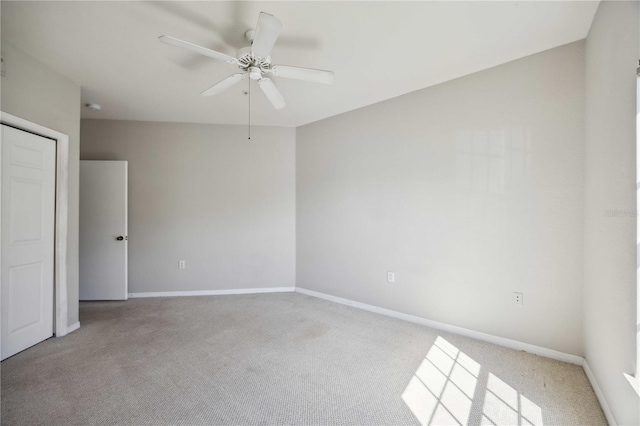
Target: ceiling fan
{"type": "Point", "coordinates": [255, 61]}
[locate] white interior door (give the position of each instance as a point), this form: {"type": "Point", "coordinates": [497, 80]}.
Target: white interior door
{"type": "Point", "coordinates": [103, 230]}
{"type": "Point", "coordinates": [27, 234]}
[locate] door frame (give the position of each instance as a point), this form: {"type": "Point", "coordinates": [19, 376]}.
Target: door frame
{"type": "Point", "coordinates": [60, 311]}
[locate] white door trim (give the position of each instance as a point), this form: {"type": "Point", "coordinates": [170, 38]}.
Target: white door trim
{"type": "Point", "coordinates": [61, 225]}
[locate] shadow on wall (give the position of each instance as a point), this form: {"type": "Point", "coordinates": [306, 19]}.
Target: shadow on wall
{"type": "Point", "coordinates": [448, 388]}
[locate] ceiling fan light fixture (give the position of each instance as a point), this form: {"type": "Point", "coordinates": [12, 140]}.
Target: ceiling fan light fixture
{"type": "Point", "coordinates": [255, 73]}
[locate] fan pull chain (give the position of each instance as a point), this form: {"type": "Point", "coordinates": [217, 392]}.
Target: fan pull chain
{"type": "Point", "coordinates": [249, 125]}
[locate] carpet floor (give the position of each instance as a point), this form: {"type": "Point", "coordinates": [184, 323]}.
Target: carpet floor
{"type": "Point", "coordinates": [280, 359]}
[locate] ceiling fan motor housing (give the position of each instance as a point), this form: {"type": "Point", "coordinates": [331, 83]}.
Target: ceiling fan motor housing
{"type": "Point", "coordinates": [254, 65]}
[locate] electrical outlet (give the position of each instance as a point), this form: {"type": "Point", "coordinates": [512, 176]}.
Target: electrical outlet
{"type": "Point", "coordinates": [391, 277]}
{"type": "Point", "coordinates": [517, 299]}
{"type": "Point", "coordinates": [182, 264]}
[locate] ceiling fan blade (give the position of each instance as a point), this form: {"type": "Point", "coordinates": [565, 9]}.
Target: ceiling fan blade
{"type": "Point", "coordinates": [223, 85]}
{"type": "Point", "coordinates": [267, 32]}
{"type": "Point", "coordinates": [197, 49]}
{"type": "Point", "coordinates": [272, 93]}
{"type": "Point", "coordinates": [306, 74]}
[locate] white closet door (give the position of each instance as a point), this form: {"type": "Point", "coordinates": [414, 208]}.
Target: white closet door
{"type": "Point", "coordinates": [27, 234]}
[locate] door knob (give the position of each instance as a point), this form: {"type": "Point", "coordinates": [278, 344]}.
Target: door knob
{"type": "Point", "coordinates": [120, 238]}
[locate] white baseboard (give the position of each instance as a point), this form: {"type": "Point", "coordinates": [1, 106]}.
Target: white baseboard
{"type": "Point", "coordinates": [501, 341]}
{"type": "Point", "coordinates": [601, 399]}
{"type": "Point", "coordinates": [212, 292]}
{"type": "Point", "coordinates": [73, 327]}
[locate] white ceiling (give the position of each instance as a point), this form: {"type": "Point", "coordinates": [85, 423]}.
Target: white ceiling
{"type": "Point", "coordinates": [378, 50]}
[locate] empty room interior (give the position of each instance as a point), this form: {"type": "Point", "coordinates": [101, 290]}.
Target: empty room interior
{"type": "Point", "coordinates": [319, 212]}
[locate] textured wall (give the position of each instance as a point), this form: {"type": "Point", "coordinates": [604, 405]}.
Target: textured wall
{"type": "Point", "coordinates": [33, 91]}
{"type": "Point", "coordinates": [610, 318]}
{"type": "Point", "coordinates": [204, 194]}
{"type": "Point", "coordinates": [470, 190]}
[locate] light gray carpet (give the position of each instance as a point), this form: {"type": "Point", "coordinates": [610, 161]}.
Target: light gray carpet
{"type": "Point", "coordinates": [280, 359]}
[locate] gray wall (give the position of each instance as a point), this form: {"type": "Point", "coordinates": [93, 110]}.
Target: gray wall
{"type": "Point", "coordinates": [36, 93]}
{"type": "Point", "coordinates": [469, 191]}
{"type": "Point", "coordinates": [610, 300]}
{"type": "Point", "coordinates": [207, 195]}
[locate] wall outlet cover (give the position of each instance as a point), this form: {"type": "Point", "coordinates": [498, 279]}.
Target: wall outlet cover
{"type": "Point", "coordinates": [518, 299]}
